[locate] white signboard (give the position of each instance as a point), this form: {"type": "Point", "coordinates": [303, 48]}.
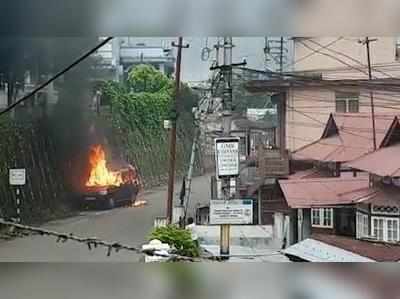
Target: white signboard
{"type": "Point", "coordinates": [227, 156]}
{"type": "Point", "coordinates": [237, 211]}
{"type": "Point", "coordinates": [17, 177]}
{"type": "Point", "coordinates": [167, 124]}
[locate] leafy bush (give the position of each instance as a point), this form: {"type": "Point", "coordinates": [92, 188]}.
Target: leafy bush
{"type": "Point", "coordinates": [139, 107]}
{"type": "Point", "coordinates": [180, 239]}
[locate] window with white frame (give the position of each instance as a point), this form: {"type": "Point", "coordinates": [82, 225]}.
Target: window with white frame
{"type": "Point", "coordinates": [386, 229]}
{"type": "Point", "coordinates": [362, 225]}
{"type": "Point", "coordinates": [393, 230]}
{"type": "Point", "coordinates": [322, 217]}
{"type": "Point", "coordinates": [347, 102]}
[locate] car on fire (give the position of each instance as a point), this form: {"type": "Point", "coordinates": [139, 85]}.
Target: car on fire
{"type": "Point", "coordinates": [111, 196]}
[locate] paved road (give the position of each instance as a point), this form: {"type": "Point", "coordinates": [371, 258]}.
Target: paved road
{"type": "Point", "coordinates": [126, 225]}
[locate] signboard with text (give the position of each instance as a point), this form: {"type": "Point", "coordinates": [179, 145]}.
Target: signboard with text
{"type": "Point", "coordinates": [237, 211]}
{"type": "Point", "coordinates": [227, 156]}
{"type": "Point", "coordinates": [17, 177]}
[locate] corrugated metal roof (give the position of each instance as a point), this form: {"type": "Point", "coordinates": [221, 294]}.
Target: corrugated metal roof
{"type": "Point", "coordinates": [306, 193]}
{"type": "Point", "coordinates": [383, 162]}
{"type": "Point", "coordinates": [381, 252]}
{"type": "Point", "coordinates": [316, 251]}
{"type": "Point", "coordinates": [354, 138]}
{"type": "Point", "coordinates": [379, 195]}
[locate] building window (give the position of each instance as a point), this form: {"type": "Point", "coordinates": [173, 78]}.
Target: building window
{"type": "Point", "coordinates": [365, 222]}
{"type": "Point", "coordinates": [362, 225]}
{"type": "Point", "coordinates": [327, 217]}
{"type": "Point", "coordinates": [315, 217]}
{"type": "Point", "coordinates": [386, 229]}
{"type": "Point", "coordinates": [347, 102]}
{"type": "Point", "coordinates": [378, 229]}
{"type": "Point", "coordinates": [243, 147]}
{"type": "Point", "coordinates": [392, 230]}
{"type": "Point", "coordinates": [322, 217]}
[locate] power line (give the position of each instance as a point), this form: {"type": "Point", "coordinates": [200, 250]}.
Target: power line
{"type": "Point", "coordinates": [389, 66]}
{"type": "Point", "coordinates": [335, 58]}
{"type": "Point", "coordinates": [320, 122]}
{"type": "Point", "coordinates": [390, 105]}
{"type": "Point", "coordinates": [319, 141]}
{"type": "Point", "coordinates": [353, 129]}
{"type": "Point", "coordinates": [314, 52]}
{"type": "Point", "coordinates": [351, 58]}
{"type": "Point", "coordinates": [385, 84]}
{"type": "Point", "coordinates": [59, 74]}
{"type": "Point", "coordinates": [394, 98]}
{"type": "Point", "coordinates": [330, 87]}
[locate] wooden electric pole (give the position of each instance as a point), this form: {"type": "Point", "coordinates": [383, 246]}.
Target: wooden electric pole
{"type": "Point", "coordinates": [367, 41]}
{"type": "Point", "coordinates": [172, 148]}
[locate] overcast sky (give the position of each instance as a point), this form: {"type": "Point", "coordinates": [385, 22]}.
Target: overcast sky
{"type": "Point", "coordinates": [194, 69]}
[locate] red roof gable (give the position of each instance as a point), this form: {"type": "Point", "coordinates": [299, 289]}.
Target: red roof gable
{"type": "Point", "coordinates": [346, 137]}
{"type": "Point", "coordinates": [383, 162]}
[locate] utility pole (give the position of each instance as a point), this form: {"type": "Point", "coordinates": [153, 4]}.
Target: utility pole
{"type": "Point", "coordinates": [227, 183]}
{"type": "Point", "coordinates": [217, 47]}
{"type": "Point", "coordinates": [227, 119]}
{"type": "Point", "coordinates": [275, 49]}
{"type": "Point", "coordinates": [366, 42]}
{"type": "Point", "coordinates": [281, 56]}
{"type": "Point", "coordinates": [188, 185]}
{"type": "Point", "coordinates": [172, 152]}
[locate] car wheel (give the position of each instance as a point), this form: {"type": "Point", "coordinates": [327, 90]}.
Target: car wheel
{"type": "Point", "coordinates": [110, 203]}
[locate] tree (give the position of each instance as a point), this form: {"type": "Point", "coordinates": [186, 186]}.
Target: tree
{"type": "Point", "coordinates": [145, 78]}
{"type": "Point", "coordinates": [142, 102]}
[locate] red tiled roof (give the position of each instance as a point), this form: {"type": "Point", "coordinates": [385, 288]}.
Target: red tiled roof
{"type": "Point", "coordinates": [383, 162]}
{"type": "Point", "coordinates": [307, 193]}
{"type": "Point", "coordinates": [381, 252]}
{"type": "Point", "coordinates": [353, 140]}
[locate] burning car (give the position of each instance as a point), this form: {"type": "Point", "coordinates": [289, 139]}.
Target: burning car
{"type": "Point", "coordinates": [106, 187]}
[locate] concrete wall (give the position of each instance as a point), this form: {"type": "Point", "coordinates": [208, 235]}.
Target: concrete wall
{"type": "Point", "coordinates": [308, 109]}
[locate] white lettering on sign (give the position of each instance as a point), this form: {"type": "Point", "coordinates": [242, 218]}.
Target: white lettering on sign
{"type": "Point", "coordinates": [17, 177]}
{"type": "Point", "coordinates": [227, 156]}
{"type": "Point", "coordinates": [231, 212]}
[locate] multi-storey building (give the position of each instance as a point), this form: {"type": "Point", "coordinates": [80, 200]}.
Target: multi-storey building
{"type": "Point", "coordinates": [122, 53]}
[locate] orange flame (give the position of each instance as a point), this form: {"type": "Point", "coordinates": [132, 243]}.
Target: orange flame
{"type": "Point", "coordinates": [99, 173]}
